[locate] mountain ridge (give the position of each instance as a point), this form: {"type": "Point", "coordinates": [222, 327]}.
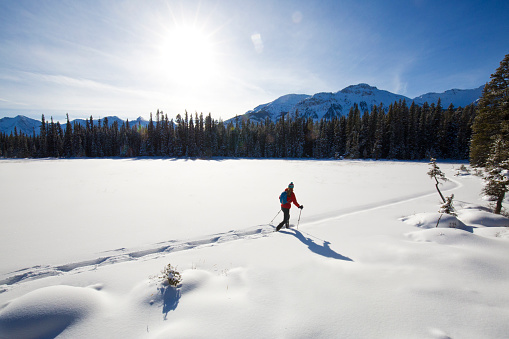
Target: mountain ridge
{"type": "Point", "coordinates": [330, 104]}
{"type": "Point", "coordinates": [316, 106]}
{"type": "Point", "coordinates": [28, 126]}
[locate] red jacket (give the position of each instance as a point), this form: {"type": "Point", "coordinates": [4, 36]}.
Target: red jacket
{"type": "Point", "coordinates": [290, 198]}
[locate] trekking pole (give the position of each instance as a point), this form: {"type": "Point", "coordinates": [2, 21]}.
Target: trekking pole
{"type": "Point", "coordinates": [275, 216]}
{"type": "Point", "coordinates": [299, 218]}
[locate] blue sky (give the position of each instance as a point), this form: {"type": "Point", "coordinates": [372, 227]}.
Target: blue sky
{"type": "Point", "coordinates": [130, 58]}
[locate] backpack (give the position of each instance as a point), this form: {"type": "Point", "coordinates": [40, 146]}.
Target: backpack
{"type": "Point", "coordinates": [283, 198]}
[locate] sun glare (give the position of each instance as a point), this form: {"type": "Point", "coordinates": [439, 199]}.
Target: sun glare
{"type": "Point", "coordinates": [187, 56]}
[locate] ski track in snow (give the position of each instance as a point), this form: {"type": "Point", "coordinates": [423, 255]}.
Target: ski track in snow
{"type": "Point", "coordinates": [123, 255]}
{"type": "Point", "coordinates": [154, 251]}
{"type": "Point", "coordinates": [338, 214]}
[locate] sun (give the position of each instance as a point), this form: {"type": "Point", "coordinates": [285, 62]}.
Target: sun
{"type": "Point", "coordinates": [187, 55]}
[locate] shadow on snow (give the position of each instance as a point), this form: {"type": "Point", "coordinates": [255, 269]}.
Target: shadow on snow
{"type": "Point", "coordinates": [323, 250]}
{"type": "Point", "coordinates": [171, 297]}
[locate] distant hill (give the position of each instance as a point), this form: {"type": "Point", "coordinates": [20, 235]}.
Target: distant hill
{"type": "Point", "coordinates": [28, 126]}
{"type": "Point", "coordinates": [328, 105]}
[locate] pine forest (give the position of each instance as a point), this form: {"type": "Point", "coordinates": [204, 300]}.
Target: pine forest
{"type": "Point", "coordinates": [396, 132]}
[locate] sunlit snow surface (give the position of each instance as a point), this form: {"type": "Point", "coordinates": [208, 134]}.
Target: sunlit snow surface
{"type": "Point", "coordinates": [83, 242]}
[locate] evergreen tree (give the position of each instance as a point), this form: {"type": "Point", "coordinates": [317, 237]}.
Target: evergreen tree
{"type": "Point", "coordinates": [377, 151]}
{"type": "Point", "coordinates": [208, 138]}
{"type": "Point", "coordinates": [180, 136]}
{"type": "Point", "coordinates": [68, 139]}
{"type": "Point", "coordinates": [270, 138]}
{"type": "Point", "coordinates": [497, 173]}
{"type": "Point", "coordinates": [353, 128]}
{"type": "Point", "coordinates": [151, 136]}
{"type": "Point", "coordinates": [404, 118]}
{"type": "Point", "coordinates": [340, 136]}
{"type": "Point", "coordinates": [200, 133]}
{"type": "Point", "coordinates": [78, 141]}
{"type": "Point", "coordinates": [437, 174]}
{"type": "Point", "coordinates": [191, 139]}
{"type": "Point", "coordinates": [466, 117]}
{"type": "Point", "coordinates": [364, 137]}
{"type": "Point", "coordinates": [434, 129]}
{"type": "Point", "coordinates": [492, 119]}
{"type": "Point", "coordinates": [320, 143]}
{"type": "Point", "coordinates": [394, 131]}
{"type": "Point", "coordinates": [413, 133]}
{"type": "Point", "coordinates": [52, 139]}
{"type": "Point", "coordinates": [43, 144]}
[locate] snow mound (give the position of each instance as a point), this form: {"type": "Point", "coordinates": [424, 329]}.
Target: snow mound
{"type": "Point", "coordinates": [430, 220]}
{"type": "Point", "coordinates": [447, 237]}
{"type": "Point", "coordinates": [210, 285]}
{"type": "Point", "coordinates": [474, 219]}
{"type": "Point", "coordinates": [47, 312]}
{"type": "Point", "coordinates": [195, 279]}
{"type": "Point", "coordinates": [493, 232]}
{"type": "Point", "coordinates": [478, 217]}
{"type": "Point", "coordinates": [203, 291]}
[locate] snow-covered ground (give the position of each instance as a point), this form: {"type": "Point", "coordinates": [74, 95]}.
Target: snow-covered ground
{"type": "Point", "coordinates": [84, 240]}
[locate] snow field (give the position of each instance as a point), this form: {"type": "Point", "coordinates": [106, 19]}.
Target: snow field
{"type": "Point", "coordinates": [366, 261]}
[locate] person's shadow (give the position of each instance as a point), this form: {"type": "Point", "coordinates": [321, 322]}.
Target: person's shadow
{"type": "Point", "coordinates": [323, 250]}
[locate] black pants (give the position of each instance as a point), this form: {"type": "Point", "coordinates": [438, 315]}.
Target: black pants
{"type": "Point", "coordinates": [286, 219]}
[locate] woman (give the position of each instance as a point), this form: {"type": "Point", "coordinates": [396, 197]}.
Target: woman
{"type": "Point", "coordinates": [286, 198]}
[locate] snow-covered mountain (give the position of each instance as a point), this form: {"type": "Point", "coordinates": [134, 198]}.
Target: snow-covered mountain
{"type": "Point", "coordinates": [111, 121]}
{"type": "Point", "coordinates": [28, 126]}
{"type": "Point", "coordinates": [21, 123]}
{"type": "Point", "coordinates": [337, 104]}
{"type": "Point", "coordinates": [316, 106]}
{"type": "Point", "coordinates": [457, 97]}
{"type": "Point", "coordinates": [274, 108]}
{"type": "Point", "coordinates": [365, 96]}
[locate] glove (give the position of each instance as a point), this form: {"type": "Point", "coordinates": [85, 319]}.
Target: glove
{"type": "Point", "coordinates": [301, 206]}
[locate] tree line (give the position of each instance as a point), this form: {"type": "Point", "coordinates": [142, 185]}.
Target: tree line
{"type": "Point", "coordinates": [395, 132]}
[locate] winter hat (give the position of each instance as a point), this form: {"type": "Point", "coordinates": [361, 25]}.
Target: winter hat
{"type": "Point", "coordinates": [291, 185]}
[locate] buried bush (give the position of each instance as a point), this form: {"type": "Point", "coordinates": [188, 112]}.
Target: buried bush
{"type": "Point", "coordinates": [169, 275]}
{"type": "Point", "coordinates": [447, 207]}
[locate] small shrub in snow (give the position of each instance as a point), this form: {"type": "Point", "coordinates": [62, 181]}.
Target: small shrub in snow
{"type": "Point", "coordinates": [447, 207]}
{"type": "Point", "coordinates": [463, 170]}
{"type": "Point", "coordinates": [169, 275]}
{"type": "Point", "coordinates": [453, 225]}
{"type": "Point", "coordinates": [478, 172]}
